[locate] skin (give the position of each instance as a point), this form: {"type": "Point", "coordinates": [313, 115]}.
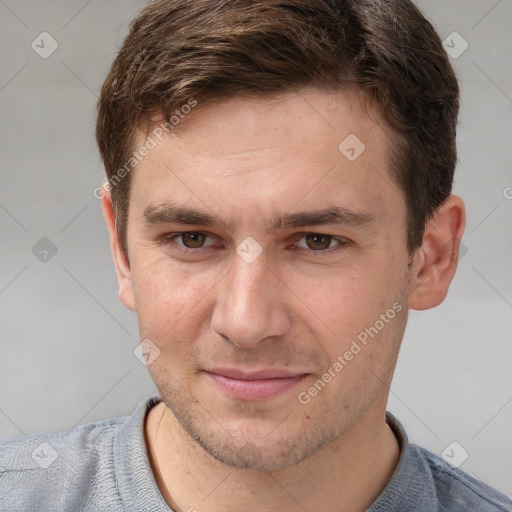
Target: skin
{"type": "Point", "coordinates": [247, 159]}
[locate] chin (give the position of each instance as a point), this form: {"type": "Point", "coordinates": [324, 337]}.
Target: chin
{"type": "Point", "coordinates": [252, 438]}
{"type": "Point", "coordinates": [245, 446]}
{"type": "Point", "coordinates": [253, 456]}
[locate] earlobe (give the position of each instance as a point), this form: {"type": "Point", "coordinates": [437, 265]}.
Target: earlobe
{"type": "Point", "coordinates": [121, 262]}
{"type": "Point", "coordinates": [436, 261]}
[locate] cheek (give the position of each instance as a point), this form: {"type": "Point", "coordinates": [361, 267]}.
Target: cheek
{"type": "Point", "coordinates": [347, 297]}
{"type": "Point", "coordinates": [363, 326]}
{"type": "Point", "coordinates": [168, 297]}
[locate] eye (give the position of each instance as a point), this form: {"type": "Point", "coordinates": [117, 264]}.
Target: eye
{"type": "Point", "coordinates": [320, 242]}
{"type": "Point", "coordinates": [191, 240]}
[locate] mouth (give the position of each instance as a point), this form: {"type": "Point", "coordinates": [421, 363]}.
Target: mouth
{"type": "Point", "coordinates": [254, 386]}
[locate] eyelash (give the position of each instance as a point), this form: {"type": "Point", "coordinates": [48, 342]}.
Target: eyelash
{"type": "Point", "coordinates": [168, 240]}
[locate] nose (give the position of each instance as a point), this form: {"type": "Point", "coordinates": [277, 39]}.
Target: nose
{"type": "Point", "coordinates": [251, 304]}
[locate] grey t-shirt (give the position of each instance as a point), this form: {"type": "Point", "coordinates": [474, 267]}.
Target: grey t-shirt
{"type": "Point", "coordinates": [103, 466]}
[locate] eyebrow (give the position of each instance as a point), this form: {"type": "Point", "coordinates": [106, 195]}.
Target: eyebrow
{"type": "Point", "coordinates": [170, 213]}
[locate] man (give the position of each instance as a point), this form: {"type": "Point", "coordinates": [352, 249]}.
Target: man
{"type": "Point", "coordinates": [278, 197]}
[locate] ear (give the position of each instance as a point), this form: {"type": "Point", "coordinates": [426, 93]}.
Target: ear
{"type": "Point", "coordinates": [435, 262]}
{"type": "Point", "coordinates": [121, 262]}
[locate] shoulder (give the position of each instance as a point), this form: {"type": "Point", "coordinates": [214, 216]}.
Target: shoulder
{"type": "Point", "coordinates": [455, 489]}
{"type": "Point", "coordinates": [424, 481]}
{"type": "Point", "coordinates": [59, 470]}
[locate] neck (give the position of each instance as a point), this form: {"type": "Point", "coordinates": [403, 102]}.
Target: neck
{"type": "Point", "coordinates": [348, 474]}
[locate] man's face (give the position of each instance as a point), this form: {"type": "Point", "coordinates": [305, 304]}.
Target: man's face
{"type": "Point", "coordinates": [288, 302]}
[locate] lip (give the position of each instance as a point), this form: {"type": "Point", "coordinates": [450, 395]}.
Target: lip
{"type": "Point", "coordinates": [254, 386]}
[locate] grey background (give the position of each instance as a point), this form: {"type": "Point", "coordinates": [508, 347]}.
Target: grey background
{"type": "Point", "coordinates": [67, 345]}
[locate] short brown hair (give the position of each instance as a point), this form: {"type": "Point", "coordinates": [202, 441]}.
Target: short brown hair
{"type": "Point", "coordinates": [210, 50]}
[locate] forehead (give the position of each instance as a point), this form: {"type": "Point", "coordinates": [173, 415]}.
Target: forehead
{"type": "Point", "coordinates": [267, 152]}
{"type": "Point", "coordinates": [239, 125]}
